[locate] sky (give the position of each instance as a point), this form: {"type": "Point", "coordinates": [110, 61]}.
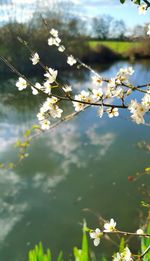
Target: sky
{"type": "Point", "coordinates": [85, 9]}
{"type": "Point", "coordinates": [127, 12]}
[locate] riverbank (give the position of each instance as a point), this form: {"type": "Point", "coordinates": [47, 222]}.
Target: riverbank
{"type": "Point", "coordinates": [90, 52]}
{"type": "Point", "coordinates": [120, 50]}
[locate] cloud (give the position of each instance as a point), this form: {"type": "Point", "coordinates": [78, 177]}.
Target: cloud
{"type": "Point", "coordinates": [99, 3]}
{"type": "Point", "coordinates": [10, 133]}
{"type": "Point", "coordinates": [19, 2]}
{"type": "Point", "coordinates": [66, 142]}
{"type": "Point", "coordinates": [102, 141]}
{"type": "Point", "coordinates": [10, 213]}
{"type": "Point", "coordinates": [46, 183]}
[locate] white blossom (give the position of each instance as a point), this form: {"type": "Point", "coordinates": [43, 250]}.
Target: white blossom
{"type": "Point", "coordinates": [138, 118]}
{"type": "Point", "coordinates": [118, 93]}
{"type": "Point", "coordinates": [61, 48]}
{"type": "Point", "coordinates": [21, 84]}
{"type": "Point", "coordinates": [41, 116]}
{"type": "Point", "coordinates": [133, 106]}
{"type": "Point", "coordinates": [35, 58]}
{"type": "Point", "coordinates": [112, 83]}
{"type": "Point", "coordinates": [49, 103]}
{"type": "Point", "coordinates": [38, 86]}
{"type": "Point", "coordinates": [51, 74]}
{"type": "Point", "coordinates": [142, 9]}
{"type": "Point", "coordinates": [123, 73]}
{"type": "Point", "coordinates": [130, 70]}
{"type": "Point", "coordinates": [83, 96]}
{"type": "Point", "coordinates": [118, 80]}
{"type": "Point", "coordinates": [78, 106]}
{"type": "Point", "coordinates": [108, 93]}
{"type": "Point", "coordinates": [52, 100]}
{"type": "Point", "coordinates": [97, 94]}
{"type": "Point", "coordinates": [138, 110]}
{"type": "Point", "coordinates": [54, 41]}
{"type": "Point", "coordinates": [110, 226]}
{"type": "Point", "coordinates": [123, 256]}
{"type": "Point", "coordinates": [97, 80]}
{"type": "Point", "coordinates": [34, 91]}
{"type": "Point", "coordinates": [51, 108]}
{"type": "Point", "coordinates": [67, 88]}
{"type": "Point", "coordinates": [140, 231]}
{"type": "Point", "coordinates": [55, 111]}
{"type": "Point", "coordinates": [146, 101]}
{"type": "Point", "coordinates": [71, 60]}
{"type": "Point", "coordinates": [112, 112]}
{"type": "Point", "coordinates": [47, 87]}
{"type": "Point", "coordinates": [129, 91]}
{"type": "Point", "coordinates": [45, 124]}
{"type": "Point", "coordinates": [54, 33]}
{"type": "Point", "coordinates": [96, 236]}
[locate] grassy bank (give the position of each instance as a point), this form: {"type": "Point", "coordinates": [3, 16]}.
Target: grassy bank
{"type": "Point", "coordinates": [121, 47]}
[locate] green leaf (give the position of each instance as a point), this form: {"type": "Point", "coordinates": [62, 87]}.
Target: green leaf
{"type": "Point", "coordinates": [34, 126]}
{"type": "Point", "coordinates": [122, 245]}
{"type": "Point", "coordinates": [145, 242]}
{"type": "Point", "coordinates": [144, 204]}
{"type": "Point", "coordinates": [1, 165]}
{"type": "Point", "coordinates": [137, 2]}
{"type": "Point", "coordinates": [104, 258]}
{"type": "Point", "coordinates": [37, 254]}
{"type": "Point", "coordinates": [18, 143]}
{"type": "Point", "coordinates": [11, 165]}
{"type": "Point", "coordinates": [27, 133]}
{"type": "Point", "coordinates": [60, 256]}
{"type": "Point", "coordinates": [77, 254]}
{"type": "Point", "coordinates": [122, 1]}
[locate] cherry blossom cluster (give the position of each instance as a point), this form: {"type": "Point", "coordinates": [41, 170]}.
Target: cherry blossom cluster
{"type": "Point", "coordinates": [49, 109]}
{"type": "Point", "coordinates": [139, 109]}
{"type": "Point", "coordinates": [110, 227]}
{"type": "Point", "coordinates": [103, 93]}
{"type": "Point", "coordinates": [97, 233]}
{"type": "Point", "coordinates": [55, 40]}
{"type": "Point", "coordinates": [125, 255]}
{"type": "Point", "coordinates": [118, 87]}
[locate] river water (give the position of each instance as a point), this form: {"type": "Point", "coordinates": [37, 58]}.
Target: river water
{"type": "Point", "coordinates": [78, 170]}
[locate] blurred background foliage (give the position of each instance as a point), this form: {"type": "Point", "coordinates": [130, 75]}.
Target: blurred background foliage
{"type": "Point", "coordinates": [102, 39]}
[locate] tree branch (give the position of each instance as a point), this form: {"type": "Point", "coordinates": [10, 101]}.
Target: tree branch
{"type": "Point", "coordinates": [13, 69]}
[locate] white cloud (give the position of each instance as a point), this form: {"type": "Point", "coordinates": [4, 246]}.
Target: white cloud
{"type": "Point", "coordinates": [102, 141]}
{"type": "Point", "coordinates": [10, 133]}
{"type": "Point", "coordinates": [11, 213]}
{"type": "Point", "coordinates": [19, 2]}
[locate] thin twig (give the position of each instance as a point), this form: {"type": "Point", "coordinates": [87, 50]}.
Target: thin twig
{"type": "Point", "coordinates": [127, 233]}
{"type": "Point", "coordinates": [145, 252]}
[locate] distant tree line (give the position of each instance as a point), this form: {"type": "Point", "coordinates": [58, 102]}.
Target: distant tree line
{"type": "Point", "coordinates": [74, 32]}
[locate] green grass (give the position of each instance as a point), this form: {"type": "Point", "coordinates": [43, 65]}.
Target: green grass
{"type": "Point", "coordinates": [117, 46]}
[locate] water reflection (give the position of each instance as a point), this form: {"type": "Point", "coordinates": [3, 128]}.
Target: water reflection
{"type": "Point", "coordinates": [11, 211]}
{"type": "Point", "coordinates": [73, 167]}
{"type": "Point", "coordinates": [103, 141]}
